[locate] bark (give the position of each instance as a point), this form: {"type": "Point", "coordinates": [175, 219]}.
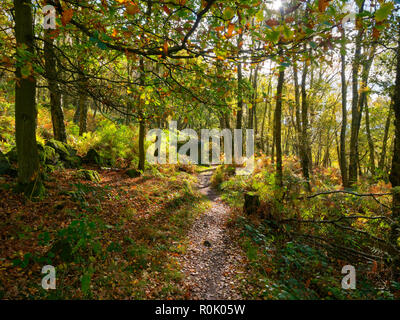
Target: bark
{"type": "Point", "coordinates": [381, 164]}
{"type": "Point", "coordinates": [239, 88]}
{"type": "Point", "coordinates": [142, 135]}
{"type": "Point", "coordinates": [142, 126]}
{"type": "Point", "coordinates": [342, 154]}
{"type": "Point", "coordinates": [57, 116]}
{"type": "Point", "coordinates": [370, 141]}
{"type": "Point", "coordinates": [25, 105]}
{"type": "Point", "coordinates": [305, 161]}
{"type": "Point", "coordinates": [357, 105]}
{"type": "Point", "coordinates": [278, 128]}
{"type": "Point", "coordinates": [83, 107]}
{"type": "Point", "coordinates": [395, 171]}
{"type": "Point", "coordinates": [297, 103]}
{"type": "Point", "coordinates": [77, 113]}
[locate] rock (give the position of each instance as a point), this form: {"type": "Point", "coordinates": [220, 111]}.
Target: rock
{"type": "Point", "coordinates": [72, 161]}
{"type": "Point", "coordinates": [90, 175]}
{"type": "Point", "coordinates": [63, 149]}
{"type": "Point", "coordinates": [48, 155]}
{"type": "Point", "coordinates": [93, 157]}
{"type": "Point", "coordinates": [251, 203]}
{"type": "Point", "coordinates": [4, 164]}
{"type": "Point", "coordinates": [133, 173]}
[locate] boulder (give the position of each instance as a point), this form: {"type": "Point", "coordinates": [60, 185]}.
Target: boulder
{"type": "Point", "coordinates": [63, 149]}
{"type": "Point", "coordinates": [72, 161]}
{"type": "Point", "coordinates": [48, 155]}
{"type": "Point", "coordinates": [93, 157]}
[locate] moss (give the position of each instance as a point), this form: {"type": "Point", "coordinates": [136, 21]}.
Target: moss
{"type": "Point", "coordinates": [93, 157]}
{"type": "Point", "coordinates": [4, 164]}
{"type": "Point", "coordinates": [72, 162]}
{"type": "Point", "coordinates": [61, 148]}
{"type": "Point", "coordinates": [12, 155]}
{"type": "Point", "coordinates": [133, 173]}
{"type": "Point", "coordinates": [34, 190]}
{"type": "Point", "coordinates": [90, 175]}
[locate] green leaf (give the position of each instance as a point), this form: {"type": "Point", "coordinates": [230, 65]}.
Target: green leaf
{"type": "Point", "coordinates": [383, 12]}
{"type": "Point", "coordinates": [228, 13]}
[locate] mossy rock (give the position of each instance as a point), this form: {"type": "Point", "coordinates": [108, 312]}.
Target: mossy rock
{"type": "Point", "coordinates": [4, 164]}
{"type": "Point", "coordinates": [90, 175]}
{"type": "Point", "coordinates": [48, 155]}
{"type": "Point", "coordinates": [72, 162]}
{"type": "Point", "coordinates": [94, 157]}
{"type": "Point", "coordinates": [63, 149]}
{"type": "Point", "coordinates": [133, 173]}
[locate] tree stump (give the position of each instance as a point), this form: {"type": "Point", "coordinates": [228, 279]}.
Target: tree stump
{"type": "Point", "coordinates": [251, 203]}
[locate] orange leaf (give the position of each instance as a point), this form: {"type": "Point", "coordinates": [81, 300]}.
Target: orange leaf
{"type": "Point", "coordinates": [166, 9]}
{"type": "Point", "coordinates": [272, 22]}
{"type": "Point", "coordinates": [165, 48]}
{"type": "Point", "coordinates": [374, 267]}
{"type": "Point", "coordinates": [132, 8]}
{"type": "Point", "coordinates": [230, 29]}
{"type": "Point", "coordinates": [67, 16]}
{"type": "Point", "coordinates": [322, 5]}
{"type": "Point", "coordinates": [375, 33]}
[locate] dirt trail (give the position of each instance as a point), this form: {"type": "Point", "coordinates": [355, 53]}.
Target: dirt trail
{"type": "Point", "coordinates": [211, 260]}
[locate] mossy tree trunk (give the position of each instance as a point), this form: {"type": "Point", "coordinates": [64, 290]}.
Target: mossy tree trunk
{"type": "Point", "coordinates": [278, 128]}
{"type": "Point", "coordinates": [25, 104]}
{"type": "Point", "coordinates": [57, 116]}
{"type": "Point", "coordinates": [395, 171]}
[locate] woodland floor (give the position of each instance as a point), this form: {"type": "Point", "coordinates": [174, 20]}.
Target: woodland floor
{"type": "Point", "coordinates": [156, 238]}
{"type": "Point", "coordinates": [212, 260]}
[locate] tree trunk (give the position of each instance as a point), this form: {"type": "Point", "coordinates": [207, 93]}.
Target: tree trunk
{"type": "Point", "coordinates": [239, 88]}
{"type": "Point", "coordinates": [77, 113]}
{"type": "Point", "coordinates": [278, 128]}
{"type": "Point", "coordinates": [355, 111]}
{"type": "Point", "coordinates": [25, 105]}
{"type": "Point", "coordinates": [342, 158]}
{"type": "Point", "coordinates": [57, 116]}
{"type": "Point", "coordinates": [370, 141]}
{"type": "Point", "coordinates": [395, 171]}
{"type": "Point", "coordinates": [142, 134]}
{"type": "Point", "coordinates": [298, 117]}
{"type": "Point", "coordinates": [381, 164]}
{"type": "Point", "coordinates": [83, 108]}
{"type": "Point", "coordinates": [305, 161]}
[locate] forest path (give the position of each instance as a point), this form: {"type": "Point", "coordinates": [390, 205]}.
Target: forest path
{"type": "Point", "coordinates": [211, 261]}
